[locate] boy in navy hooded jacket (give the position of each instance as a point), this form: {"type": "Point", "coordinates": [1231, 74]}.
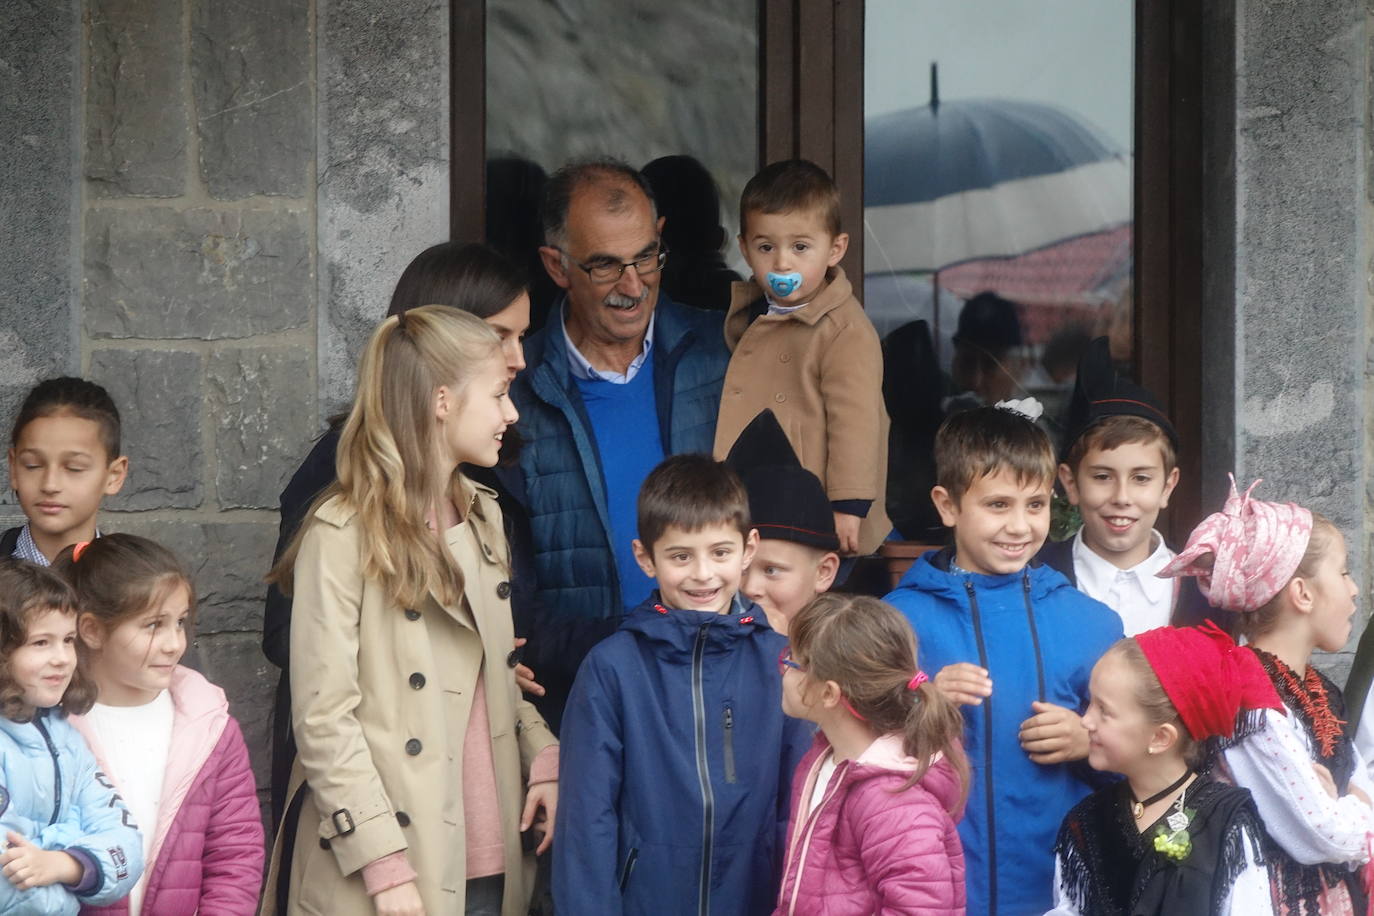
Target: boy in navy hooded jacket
{"type": "Point", "coordinates": [1015, 644]}
{"type": "Point", "coordinates": [676, 756]}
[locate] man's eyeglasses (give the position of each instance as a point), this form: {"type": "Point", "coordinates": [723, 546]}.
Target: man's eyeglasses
{"type": "Point", "coordinates": [609, 271]}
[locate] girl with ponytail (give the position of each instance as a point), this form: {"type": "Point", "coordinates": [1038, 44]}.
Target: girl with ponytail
{"type": "Point", "coordinates": [876, 800]}
{"type": "Point", "coordinates": [419, 765]}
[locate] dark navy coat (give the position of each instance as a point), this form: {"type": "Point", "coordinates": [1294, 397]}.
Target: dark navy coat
{"type": "Point", "coordinates": [565, 494]}
{"type": "Point", "coordinates": [675, 768]}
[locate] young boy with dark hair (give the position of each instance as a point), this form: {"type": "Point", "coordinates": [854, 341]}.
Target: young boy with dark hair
{"type": "Point", "coordinates": [676, 756]}
{"type": "Point", "coordinates": [1119, 467]}
{"type": "Point", "coordinates": [1014, 643]}
{"type": "Point", "coordinates": [798, 553]}
{"type": "Point", "coordinates": [64, 460]}
{"type": "Point", "coordinates": [803, 347]}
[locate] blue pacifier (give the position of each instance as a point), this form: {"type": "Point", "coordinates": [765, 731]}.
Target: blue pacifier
{"type": "Point", "coordinates": [784, 285]}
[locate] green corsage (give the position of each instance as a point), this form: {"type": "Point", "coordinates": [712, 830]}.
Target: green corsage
{"type": "Point", "coordinates": [1171, 838]}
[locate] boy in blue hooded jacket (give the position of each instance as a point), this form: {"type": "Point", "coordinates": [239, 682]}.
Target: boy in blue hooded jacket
{"type": "Point", "coordinates": [1015, 644]}
{"type": "Point", "coordinates": [676, 757]}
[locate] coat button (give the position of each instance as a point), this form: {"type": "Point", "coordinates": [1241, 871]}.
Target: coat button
{"type": "Point", "coordinates": [412, 614]}
{"type": "Point", "coordinates": [503, 590]}
{"type": "Point", "coordinates": [779, 397]}
{"type": "Point", "coordinates": [324, 844]}
{"type": "Point", "coordinates": [515, 656]}
{"type": "Point", "coordinates": [413, 747]}
{"type": "Point", "coordinates": [417, 680]}
{"type": "Point", "coordinates": [403, 819]}
{"type": "Point", "coordinates": [784, 357]}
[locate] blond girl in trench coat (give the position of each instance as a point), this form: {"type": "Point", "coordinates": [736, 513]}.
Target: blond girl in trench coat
{"type": "Point", "coordinates": [401, 603]}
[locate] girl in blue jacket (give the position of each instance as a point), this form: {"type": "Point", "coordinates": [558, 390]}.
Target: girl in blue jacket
{"type": "Point", "coordinates": [68, 838]}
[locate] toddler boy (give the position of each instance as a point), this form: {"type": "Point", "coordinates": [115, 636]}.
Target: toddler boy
{"type": "Point", "coordinates": [1014, 643]}
{"type": "Point", "coordinates": [797, 557]}
{"type": "Point", "coordinates": [64, 460]}
{"type": "Point", "coordinates": [803, 347]}
{"type": "Point", "coordinates": [676, 756]}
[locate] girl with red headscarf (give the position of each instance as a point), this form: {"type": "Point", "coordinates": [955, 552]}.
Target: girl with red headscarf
{"type": "Point", "coordinates": [1282, 569]}
{"type": "Point", "coordinates": [1166, 840]}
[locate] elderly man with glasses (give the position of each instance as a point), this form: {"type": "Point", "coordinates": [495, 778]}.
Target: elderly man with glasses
{"type": "Point", "coordinates": [619, 378]}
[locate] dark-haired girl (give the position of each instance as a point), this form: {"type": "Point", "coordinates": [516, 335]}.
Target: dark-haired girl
{"type": "Point", "coordinates": [69, 840]}
{"type": "Point", "coordinates": [163, 733]}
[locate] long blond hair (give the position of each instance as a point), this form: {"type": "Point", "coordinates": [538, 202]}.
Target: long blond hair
{"type": "Point", "coordinates": [389, 442]}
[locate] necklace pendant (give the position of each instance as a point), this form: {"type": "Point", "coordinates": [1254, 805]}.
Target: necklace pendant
{"type": "Point", "coordinates": [1138, 810]}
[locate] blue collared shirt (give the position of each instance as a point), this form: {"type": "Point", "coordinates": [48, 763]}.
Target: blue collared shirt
{"type": "Point", "coordinates": [581, 369]}
{"type": "Point", "coordinates": [26, 549]}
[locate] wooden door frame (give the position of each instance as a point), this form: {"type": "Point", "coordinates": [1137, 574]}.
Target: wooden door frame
{"type": "Point", "coordinates": [811, 89]}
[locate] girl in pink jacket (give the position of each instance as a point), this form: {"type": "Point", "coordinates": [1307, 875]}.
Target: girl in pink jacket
{"type": "Point", "coordinates": [876, 800]}
{"type": "Point", "coordinates": [163, 733]}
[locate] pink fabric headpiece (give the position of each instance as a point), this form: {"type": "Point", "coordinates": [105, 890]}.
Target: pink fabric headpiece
{"type": "Point", "coordinates": [1256, 547]}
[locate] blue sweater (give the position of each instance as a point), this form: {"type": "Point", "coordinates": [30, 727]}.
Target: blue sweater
{"type": "Point", "coordinates": [675, 768]}
{"type": "Point", "coordinates": [623, 419]}
{"type": "Point", "coordinates": [1039, 638]}
{"type": "Point", "coordinates": [565, 490]}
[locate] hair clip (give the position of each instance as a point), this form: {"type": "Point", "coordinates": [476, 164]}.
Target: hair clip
{"type": "Point", "coordinates": [401, 319]}
{"type": "Point", "coordinates": [917, 680]}
{"type": "Point", "coordinates": [1029, 408]}
{"type": "Point", "coordinates": [79, 549]}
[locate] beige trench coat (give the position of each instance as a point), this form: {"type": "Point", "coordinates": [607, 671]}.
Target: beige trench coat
{"type": "Point", "coordinates": [820, 370]}
{"type": "Point", "coordinates": [374, 687]}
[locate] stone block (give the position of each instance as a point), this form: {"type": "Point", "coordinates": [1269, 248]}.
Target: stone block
{"type": "Point", "coordinates": [136, 130]}
{"type": "Point", "coordinates": [262, 425]}
{"type": "Point", "coordinates": [235, 662]}
{"type": "Point", "coordinates": [227, 560]}
{"type": "Point", "coordinates": [383, 183]}
{"type": "Point", "coordinates": [1300, 336]}
{"type": "Point", "coordinates": [161, 273]}
{"type": "Point", "coordinates": [250, 72]}
{"type": "Point", "coordinates": [39, 50]}
{"type": "Point", "coordinates": [158, 393]}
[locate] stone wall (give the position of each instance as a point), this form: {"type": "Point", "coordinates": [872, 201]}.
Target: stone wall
{"type": "Point", "coordinates": [169, 171]}
{"type": "Point", "coordinates": [166, 222]}
{"type": "Point", "coordinates": [1287, 385]}
{"type": "Point", "coordinates": [197, 294]}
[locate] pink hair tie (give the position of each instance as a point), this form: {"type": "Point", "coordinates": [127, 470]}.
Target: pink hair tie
{"type": "Point", "coordinates": [79, 549]}
{"type": "Point", "coordinates": [917, 680]}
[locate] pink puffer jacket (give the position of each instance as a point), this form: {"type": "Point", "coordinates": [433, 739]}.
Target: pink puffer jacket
{"type": "Point", "coordinates": [868, 847]}
{"type": "Point", "coordinates": [207, 853]}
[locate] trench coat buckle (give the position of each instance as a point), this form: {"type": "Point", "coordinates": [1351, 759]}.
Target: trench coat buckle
{"type": "Point", "coordinates": [343, 822]}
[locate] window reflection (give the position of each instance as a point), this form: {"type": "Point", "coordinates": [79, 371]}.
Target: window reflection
{"type": "Point", "coordinates": [570, 79]}
{"type": "Point", "coordinates": [998, 181]}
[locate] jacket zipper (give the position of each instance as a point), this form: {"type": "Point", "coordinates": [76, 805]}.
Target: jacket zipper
{"type": "Point", "coordinates": [56, 770]}
{"type": "Point", "coordinates": [729, 743]}
{"type": "Point", "coordinates": [988, 792]}
{"type": "Point", "coordinates": [830, 791]}
{"type": "Point", "coordinates": [708, 802]}
{"type": "Point", "coordinates": [629, 867]}
{"type": "Point", "coordinates": [1035, 636]}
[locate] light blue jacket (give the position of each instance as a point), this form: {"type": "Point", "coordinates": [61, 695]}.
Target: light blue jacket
{"type": "Point", "coordinates": [565, 494]}
{"type": "Point", "coordinates": [56, 797]}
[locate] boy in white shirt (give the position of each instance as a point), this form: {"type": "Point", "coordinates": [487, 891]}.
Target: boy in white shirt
{"type": "Point", "coordinates": [1119, 467]}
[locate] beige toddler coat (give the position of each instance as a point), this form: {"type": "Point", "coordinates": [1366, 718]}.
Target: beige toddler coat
{"type": "Point", "coordinates": [820, 370]}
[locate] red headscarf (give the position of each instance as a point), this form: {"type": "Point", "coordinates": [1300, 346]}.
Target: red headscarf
{"type": "Point", "coordinates": [1208, 678]}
